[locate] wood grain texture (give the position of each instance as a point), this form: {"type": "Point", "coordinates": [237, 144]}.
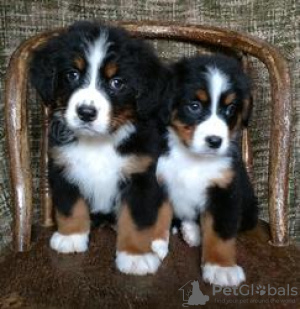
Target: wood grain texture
{"type": "Point", "coordinates": [45, 194]}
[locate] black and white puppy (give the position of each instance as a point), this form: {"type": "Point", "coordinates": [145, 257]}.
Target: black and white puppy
{"type": "Point", "coordinates": [104, 88]}
{"type": "Point", "coordinates": [202, 167]}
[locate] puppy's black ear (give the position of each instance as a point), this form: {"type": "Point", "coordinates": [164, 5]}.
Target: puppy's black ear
{"type": "Point", "coordinates": [167, 101]}
{"type": "Point", "coordinates": [247, 110]}
{"type": "Point", "coordinates": [244, 85]}
{"type": "Point", "coordinates": [43, 73]}
{"type": "Point", "coordinates": [150, 78]}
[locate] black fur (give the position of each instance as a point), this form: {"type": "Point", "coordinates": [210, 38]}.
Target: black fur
{"type": "Point", "coordinates": [144, 190]}
{"type": "Point", "coordinates": [59, 133]}
{"type": "Point", "coordinates": [64, 194]}
{"type": "Point", "coordinates": [233, 208]}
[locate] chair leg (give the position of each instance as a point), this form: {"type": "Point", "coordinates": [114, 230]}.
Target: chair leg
{"type": "Point", "coordinates": [46, 202]}
{"type": "Point", "coordinates": [247, 153]}
{"type": "Point", "coordinates": [19, 159]}
{"type": "Point", "coordinates": [246, 141]}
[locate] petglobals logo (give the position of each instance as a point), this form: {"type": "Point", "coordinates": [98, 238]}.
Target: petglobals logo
{"type": "Point", "coordinates": [192, 295]}
{"type": "Point", "coordinates": [251, 290]}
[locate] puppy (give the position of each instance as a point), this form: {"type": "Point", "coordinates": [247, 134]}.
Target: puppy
{"type": "Point", "coordinates": [104, 88]}
{"type": "Point", "coordinates": [202, 169]}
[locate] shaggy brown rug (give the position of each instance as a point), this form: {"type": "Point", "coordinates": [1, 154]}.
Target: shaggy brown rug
{"type": "Point", "coordinates": [41, 278]}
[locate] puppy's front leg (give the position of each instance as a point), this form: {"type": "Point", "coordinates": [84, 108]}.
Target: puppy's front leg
{"type": "Point", "coordinates": [219, 229]}
{"type": "Point", "coordinates": [143, 227]}
{"type": "Point", "coordinates": [73, 229]}
{"type": "Point", "coordinates": [72, 214]}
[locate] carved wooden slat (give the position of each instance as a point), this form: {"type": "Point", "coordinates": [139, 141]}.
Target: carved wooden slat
{"type": "Point", "coordinates": [45, 194]}
{"type": "Point", "coordinates": [246, 140]}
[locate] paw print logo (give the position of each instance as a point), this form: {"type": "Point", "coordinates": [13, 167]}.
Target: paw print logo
{"type": "Point", "coordinates": [261, 290]}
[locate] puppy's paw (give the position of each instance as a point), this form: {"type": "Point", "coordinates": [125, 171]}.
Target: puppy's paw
{"type": "Point", "coordinates": [69, 243]}
{"type": "Point", "coordinates": [174, 230]}
{"type": "Point", "coordinates": [223, 276]}
{"type": "Point", "coordinates": [160, 247]}
{"type": "Point", "coordinates": [191, 233]}
{"type": "Point", "coordinates": [139, 264]}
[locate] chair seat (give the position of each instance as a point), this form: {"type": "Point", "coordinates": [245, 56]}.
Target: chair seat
{"type": "Point", "coordinates": [41, 278]}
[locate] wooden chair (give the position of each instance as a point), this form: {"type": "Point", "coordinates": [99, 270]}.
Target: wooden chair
{"type": "Point", "coordinates": [246, 45]}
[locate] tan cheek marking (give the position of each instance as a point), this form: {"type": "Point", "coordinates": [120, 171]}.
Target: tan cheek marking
{"type": "Point", "coordinates": [134, 241]}
{"type": "Point", "coordinates": [110, 70]}
{"type": "Point", "coordinates": [229, 98]}
{"type": "Point", "coordinates": [184, 131]}
{"type": "Point", "coordinates": [202, 95]}
{"type": "Point", "coordinates": [216, 250]}
{"type": "Point", "coordinates": [77, 222]}
{"type": "Point", "coordinates": [225, 180]}
{"type": "Point", "coordinates": [79, 63]}
{"type": "Point", "coordinates": [136, 164]}
{"type": "Point", "coordinates": [120, 117]}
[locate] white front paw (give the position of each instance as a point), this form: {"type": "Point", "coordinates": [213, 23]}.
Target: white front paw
{"type": "Point", "coordinates": [223, 276]}
{"type": "Point", "coordinates": [191, 233]}
{"type": "Point", "coordinates": [69, 243]}
{"type": "Point", "coordinates": [140, 264]}
{"type": "Point", "coordinates": [160, 247]}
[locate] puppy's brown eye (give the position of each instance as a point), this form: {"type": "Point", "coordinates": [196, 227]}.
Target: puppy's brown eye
{"type": "Point", "coordinates": [230, 110]}
{"type": "Point", "coordinates": [116, 84]}
{"type": "Point", "coordinates": [194, 108]}
{"type": "Point", "coordinates": [73, 76]}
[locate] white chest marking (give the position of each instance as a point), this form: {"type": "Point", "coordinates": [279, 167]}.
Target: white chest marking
{"type": "Point", "coordinates": [95, 167]}
{"type": "Point", "coordinates": [187, 178]}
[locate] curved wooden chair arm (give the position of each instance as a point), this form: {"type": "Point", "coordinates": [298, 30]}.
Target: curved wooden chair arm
{"type": "Point", "coordinates": [16, 117]}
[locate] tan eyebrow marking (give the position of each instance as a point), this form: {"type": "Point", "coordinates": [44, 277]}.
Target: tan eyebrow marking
{"type": "Point", "coordinates": [202, 95]}
{"type": "Point", "coordinates": [229, 98]}
{"type": "Point", "coordinates": [79, 63]}
{"type": "Point", "coordinates": [110, 69]}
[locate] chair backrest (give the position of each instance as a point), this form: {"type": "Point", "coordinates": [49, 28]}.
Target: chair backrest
{"type": "Point", "coordinates": [246, 45]}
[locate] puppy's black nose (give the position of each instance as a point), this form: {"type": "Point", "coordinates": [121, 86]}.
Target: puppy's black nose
{"type": "Point", "coordinates": [86, 113]}
{"type": "Point", "coordinates": [213, 141]}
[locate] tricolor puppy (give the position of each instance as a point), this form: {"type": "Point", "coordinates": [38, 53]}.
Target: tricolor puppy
{"type": "Point", "coordinates": [202, 168]}
{"type": "Point", "coordinates": [104, 89]}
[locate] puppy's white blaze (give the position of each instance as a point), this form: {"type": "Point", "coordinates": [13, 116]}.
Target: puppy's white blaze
{"type": "Point", "coordinates": [218, 83]}
{"type": "Point", "coordinates": [89, 96]}
{"type": "Point", "coordinates": [223, 276]}
{"type": "Point", "coordinates": [212, 126]}
{"type": "Point", "coordinates": [143, 264]}
{"type": "Point", "coordinates": [69, 243]}
{"type": "Point", "coordinates": [95, 56]}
